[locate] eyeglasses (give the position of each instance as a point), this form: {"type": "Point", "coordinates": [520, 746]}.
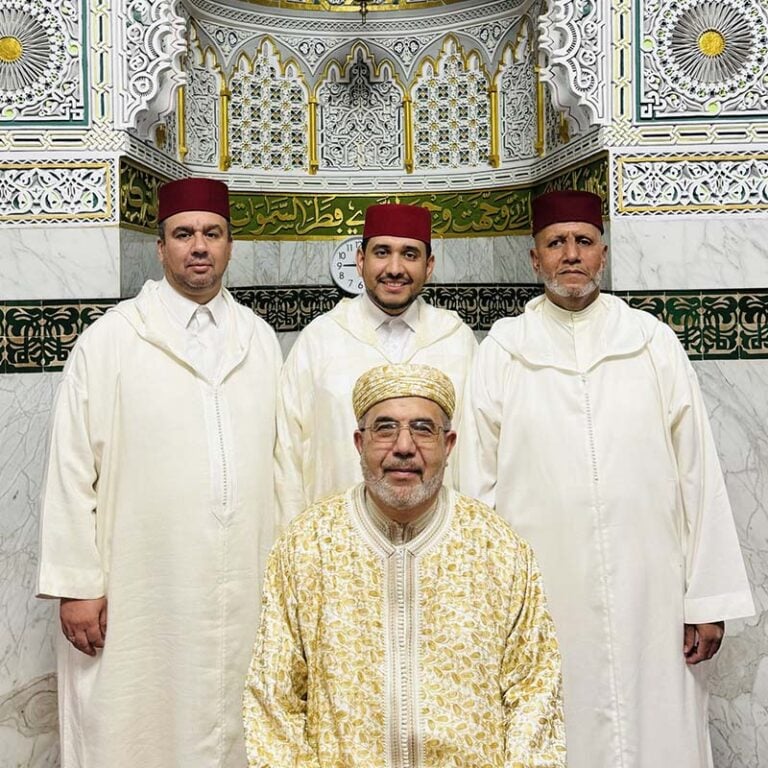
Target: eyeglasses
{"type": "Point", "coordinates": [422, 432]}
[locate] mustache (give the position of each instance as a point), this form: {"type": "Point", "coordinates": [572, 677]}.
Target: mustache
{"type": "Point", "coordinates": [402, 466]}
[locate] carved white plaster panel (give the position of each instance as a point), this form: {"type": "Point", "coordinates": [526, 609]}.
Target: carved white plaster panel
{"type": "Point", "coordinates": [42, 62]}
{"type": "Point", "coordinates": [702, 58]}
{"type": "Point", "coordinates": [51, 192]}
{"type": "Point", "coordinates": [490, 34]}
{"type": "Point", "coordinates": [311, 51]}
{"type": "Point", "coordinates": [170, 137]}
{"type": "Point", "coordinates": [201, 115]}
{"type": "Point", "coordinates": [150, 41]}
{"type": "Point", "coordinates": [573, 41]}
{"type": "Point", "coordinates": [268, 115]}
{"type": "Point", "coordinates": [715, 183]}
{"type": "Point", "coordinates": [360, 117]}
{"type": "Point", "coordinates": [517, 106]}
{"type": "Point", "coordinates": [451, 112]}
{"type": "Point", "coordinates": [227, 38]}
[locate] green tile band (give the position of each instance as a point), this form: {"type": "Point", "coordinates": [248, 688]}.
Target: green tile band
{"type": "Point", "coordinates": [473, 213]}
{"type": "Point", "coordinates": [37, 336]}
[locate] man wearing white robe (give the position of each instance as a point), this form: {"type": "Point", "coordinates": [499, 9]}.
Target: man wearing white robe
{"type": "Point", "coordinates": [585, 427]}
{"type": "Point", "coordinates": [404, 625]}
{"type": "Point", "coordinates": [158, 507]}
{"type": "Point", "coordinates": [388, 323]}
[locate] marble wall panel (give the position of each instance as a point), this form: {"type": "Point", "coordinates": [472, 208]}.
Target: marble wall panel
{"type": "Point", "coordinates": [464, 260]}
{"type": "Point", "coordinates": [739, 682]}
{"type": "Point", "coordinates": [59, 262]}
{"type": "Point", "coordinates": [138, 261]}
{"type": "Point", "coordinates": [28, 726]}
{"type": "Point", "coordinates": [511, 259]}
{"type": "Point", "coordinates": [304, 262]}
{"type": "Point", "coordinates": [254, 262]}
{"type": "Point", "coordinates": [694, 253]}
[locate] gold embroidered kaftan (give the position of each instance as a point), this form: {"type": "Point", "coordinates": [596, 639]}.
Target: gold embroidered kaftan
{"type": "Point", "coordinates": [435, 653]}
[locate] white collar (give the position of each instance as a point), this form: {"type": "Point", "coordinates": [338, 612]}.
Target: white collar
{"type": "Point", "coordinates": [183, 309]}
{"type": "Point", "coordinates": [379, 317]}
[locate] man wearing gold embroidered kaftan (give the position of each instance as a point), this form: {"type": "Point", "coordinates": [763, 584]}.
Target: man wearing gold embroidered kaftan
{"type": "Point", "coordinates": [404, 625]}
{"type": "Point", "coordinates": [586, 429]}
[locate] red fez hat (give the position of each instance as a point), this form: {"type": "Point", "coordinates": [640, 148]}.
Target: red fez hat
{"type": "Point", "coordinates": [566, 205]}
{"type": "Point", "coordinates": [193, 195]}
{"type": "Point", "coordinates": [397, 220]}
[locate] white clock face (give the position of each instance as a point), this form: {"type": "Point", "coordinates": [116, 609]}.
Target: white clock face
{"type": "Point", "coordinates": [344, 266]}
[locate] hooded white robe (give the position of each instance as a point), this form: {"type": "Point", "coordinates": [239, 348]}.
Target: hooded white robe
{"type": "Point", "coordinates": [159, 495]}
{"type": "Point", "coordinates": [315, 453]}
{"type": "Point", "coordinates": [588, 433]}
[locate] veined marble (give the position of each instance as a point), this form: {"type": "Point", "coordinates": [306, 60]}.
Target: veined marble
{"type": "Point", "coordinates": [655, 253]}
{"type": "Point", "coordinates": [28, 726]}
{"type": "Point", "coordinates": [59, 262]}
{"type": "Point", "coordinates": [254, 262]}
{"type": "Point", "coordinates": [463, 260]}
{"type": "Point", "coordinates": [305, 262]}
{"type": "Point", "coordinates": [739, 683]}
{"type": "Point", "coordinates": [512, 260]}
{"type": "Point", "coordinates": [138, 261]}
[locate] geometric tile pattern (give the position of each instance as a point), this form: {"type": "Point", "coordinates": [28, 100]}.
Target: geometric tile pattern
{"type": "Point", "coordinates": [37, 336]}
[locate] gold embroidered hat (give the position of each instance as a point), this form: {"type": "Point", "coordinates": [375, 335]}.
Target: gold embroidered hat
{"type": "Point", "coordinates": [403, 380]}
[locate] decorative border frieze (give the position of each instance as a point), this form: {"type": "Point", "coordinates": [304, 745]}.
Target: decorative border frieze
{"type": "Point", "coordinates": [711, 325]}
{"type": "Point", "coordinates": [484, 212]}
{"type": "Point", "coordinates": [70, 191]}
{"type": "Point", "coordinates": [690, 184]}
{"type": "Point", "coordinates": [37, 336]}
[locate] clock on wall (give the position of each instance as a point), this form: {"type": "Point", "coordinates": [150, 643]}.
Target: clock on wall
{"type": "Point", "coordinates": [344, 266]}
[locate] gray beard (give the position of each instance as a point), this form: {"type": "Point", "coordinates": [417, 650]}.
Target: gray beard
{"type": "Point", "coordinates": [401, 498]}
{"type": "Point", "coordinates": [553, 286]}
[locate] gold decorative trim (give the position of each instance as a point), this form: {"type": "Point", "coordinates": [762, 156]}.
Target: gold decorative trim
{"type": "Point", "coordinates": [541, 115]}
{"type": "Point", "coordinates": [408, 126]}
{"type": "Point", "coordinates": [312, 143]}
{"type": "Point", "coordinates": [224, 96]}
{"type": "Point", "coordinates": [494, 158]}
{"type": "Point", "coordinates": [181, 124]}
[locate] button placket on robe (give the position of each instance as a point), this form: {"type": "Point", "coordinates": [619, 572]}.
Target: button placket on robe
{"type": "Point", "coordinates": [201, 350]}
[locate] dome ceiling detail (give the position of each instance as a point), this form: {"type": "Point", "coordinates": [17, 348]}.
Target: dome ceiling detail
{"type": "Point", "coordinates": [354, 5]}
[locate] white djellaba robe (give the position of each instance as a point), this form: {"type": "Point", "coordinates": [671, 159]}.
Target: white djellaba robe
{"type": "Point", "coordinates": [159, 495]}
{"type": "Point", "coordinates": [588, 433]}
{"type": "Point", "coordinates": [315, 452]}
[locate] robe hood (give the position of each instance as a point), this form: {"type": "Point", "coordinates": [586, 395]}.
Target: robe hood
{"type": "Point", "coordinates": [625, 331]}
{"type": "Point", "coordinates": [148, 317]}
{"type": "Point", "coordinates": [434, 324]}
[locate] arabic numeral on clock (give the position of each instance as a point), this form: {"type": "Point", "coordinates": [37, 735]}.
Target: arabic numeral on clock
{"type": "Point", "coordinates": [339, 264]}
{"type": "Point", "coordinates": [341, 276]}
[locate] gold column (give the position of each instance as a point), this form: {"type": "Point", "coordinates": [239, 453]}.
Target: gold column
{"type": "Point", "coordinates": [541, 124]}
{"type": "Point", "coordinates": [408, 120]}
{"type": "Point", "coordinates": [181, 124]}
{"type": "Point", "coordinates": [312, 138]}
{"type": "Point", "coordinates": [224, 96]}
{"type": "Point", "coordinates": [495, 127]}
